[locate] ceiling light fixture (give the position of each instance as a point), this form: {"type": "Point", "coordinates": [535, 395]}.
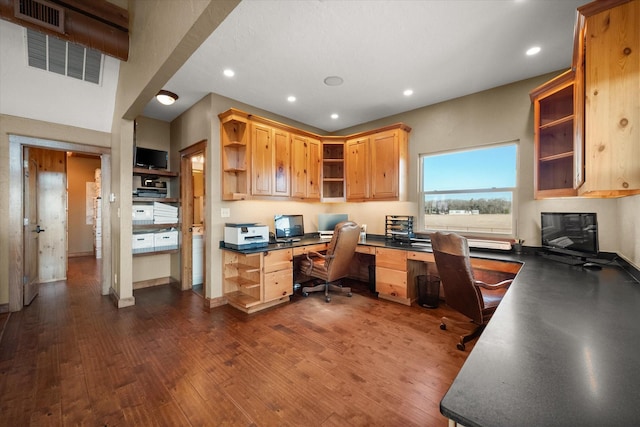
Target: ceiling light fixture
{"type": "Point", "coordinates": [408, 92]}
{"type": "Point", "coordinates": [333, 81]}
{"type": "Point", "coordinates": [229, 72]}
{"type": "Point", "coordinates": [166, 98]}
{"type": "Point", "coordinates": [334, 116]}
{"type": "Point", "coordinates": [533, 50]}
{"type": "Point", "coordinates": [291, 98]}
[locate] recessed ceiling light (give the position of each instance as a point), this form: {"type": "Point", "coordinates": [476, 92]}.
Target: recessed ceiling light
{"type": "Point", "coordinates": [533, 50]}
{"type": "Point", "coordinates": [333, 81]}
{"type": "Point", "coordinates": [334, 116]}
{"type": "Point", "coordinates": [229, 72]}
{"type": "Point", "coordinates": [166, 98]}
{"type": "Point", "coordinates": [291, 98]}
{"type": "Point", "coordinates": [408, 92]}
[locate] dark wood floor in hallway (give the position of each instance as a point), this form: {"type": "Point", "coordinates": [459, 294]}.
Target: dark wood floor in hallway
{"type": "Point", "coordinates": [72, 358]}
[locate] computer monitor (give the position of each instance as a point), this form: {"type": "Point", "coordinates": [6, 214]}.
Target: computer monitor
{"type": "Point", "coordinates": [289, 227]}
{"type": "Point", "coordinates": [327, 222]}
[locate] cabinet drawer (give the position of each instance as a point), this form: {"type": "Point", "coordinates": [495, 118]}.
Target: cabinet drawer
{"type": "Point", "coordinates": [302, 250]}
{"type": "Point", "coordinates": [391, 258]}
{"type": "Point", "coordinates": [278, 284]}
{"type": "Point", "coordinates": [391, 282]}
{"type": "Point", "coordinates": [277, 260]}
{"type": "Point", "coordinates": [421, 256]}
{"type": "Point", "coordinates": [363, 249]}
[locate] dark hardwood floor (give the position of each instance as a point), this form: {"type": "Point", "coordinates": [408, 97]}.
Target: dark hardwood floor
{"type": "Point", "coordinates": [72, 358]}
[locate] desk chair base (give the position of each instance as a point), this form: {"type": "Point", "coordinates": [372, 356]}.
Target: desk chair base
{"type": "Point", "coordinates": [326, 287]}
{"type": "Point", "coordinates": [477, 330]}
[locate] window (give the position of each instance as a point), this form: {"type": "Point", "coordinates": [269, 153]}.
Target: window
{"type": "Point", "coordinates": [59, 56]}
{"type": "Point", "coordinates": [471, 192]}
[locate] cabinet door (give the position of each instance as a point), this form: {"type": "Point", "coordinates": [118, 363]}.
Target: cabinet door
{"type": "Point", "coordinates": [305, 165]}
{"type": "Point", "coordinates": [357, 164]}
{"type": "Point", "coordinates": [391, 282]}
{"type": "Point", "coordinates": [278, 284]}
{"type": "Point", "coordinates": [277, 260]}
{"type": "Point", "coordinates": [612, 113]}
{"type": "Point", "coordinates": [282, 163]}
{"type": "Point", "coordinates": [314, 158]}
{"type": "Point", "coordinates": [384, 165]}
{"type": "Point", "coordinates": [261, 160]}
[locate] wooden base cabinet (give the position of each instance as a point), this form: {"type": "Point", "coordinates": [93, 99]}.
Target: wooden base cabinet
{"type": "Point", "coordinates": [391, 276]}
{"type": "Point", "coordinates": [253, 282]}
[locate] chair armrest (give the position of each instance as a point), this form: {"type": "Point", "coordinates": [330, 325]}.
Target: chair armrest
{"type": "Point", "coordinates": [314, 254]}
{"type": "Point", "coordinates": [500, 285]}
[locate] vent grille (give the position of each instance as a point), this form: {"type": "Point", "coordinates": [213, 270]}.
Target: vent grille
{"type": "Point", "coordinates": [40, 12]}
{"type": "Point", "coordinates": [61, 57]}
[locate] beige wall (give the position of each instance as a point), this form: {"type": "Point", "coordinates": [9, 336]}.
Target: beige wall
{"type": "Point", "coordinates": [80, 170]}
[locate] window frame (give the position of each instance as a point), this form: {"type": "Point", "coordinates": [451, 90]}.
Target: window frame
{"type": "Point", "coordinates": [514, 192]}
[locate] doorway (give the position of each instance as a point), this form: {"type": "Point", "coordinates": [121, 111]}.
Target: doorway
{"type": "Point", "coordinates": [193, 198]}
{"type": "Point", "coordinates": [56, 248]}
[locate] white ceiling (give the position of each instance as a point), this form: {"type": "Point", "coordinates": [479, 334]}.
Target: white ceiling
{"type": "Point", "coordinates": [440, 49]}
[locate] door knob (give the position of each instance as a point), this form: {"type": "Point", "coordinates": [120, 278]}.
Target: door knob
{"type": "Point", "coordinates": [39, 230]}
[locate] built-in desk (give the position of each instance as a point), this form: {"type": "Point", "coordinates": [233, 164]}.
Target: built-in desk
{"type": "Point", "coordinates": [561, 350]}
{"type": "Point", "coordinates": [258, 278]}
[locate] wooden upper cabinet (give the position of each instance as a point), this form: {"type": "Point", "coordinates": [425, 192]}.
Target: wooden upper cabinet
{"type": "Point", "coordinates": [357, 162]}
{"type": "Point", "coordinates": [305, 166]}
{"type": "Point", "coordinates": [558, 167]}
{"type": "Point", "coordinates": [388, 164]}
{"type": "Point", "coordinates": [282, 163]}
{"type": "Point", "coordinates": [377, 165]}
{"type": "Point", "coordinates": [261, 159]}
{"type": "Point", "coordinates": [612, 99]}
{"type": "Point", "coordinates": [234, 152]}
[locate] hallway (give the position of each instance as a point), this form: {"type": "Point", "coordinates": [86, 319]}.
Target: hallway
{"type": "Point", "coordinates": [72, 358]}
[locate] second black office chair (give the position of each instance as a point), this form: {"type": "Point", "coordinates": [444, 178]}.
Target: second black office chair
{"type": "Point", "coordinates": [474, 299]}
{"type": "Point", "coordinates": [334, 264]}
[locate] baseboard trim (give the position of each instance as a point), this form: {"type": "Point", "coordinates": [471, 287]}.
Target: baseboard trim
{"type": "Point", "coordinates": [156, 282]}
{"type": "Point", "coordinates": [121, 302]}
{"type": "Point", "coordinates": [4, 308]}
{"type": "Point", "coordinates": [79, 254]}
{"type": "Point", "coordinates": [210, 303]}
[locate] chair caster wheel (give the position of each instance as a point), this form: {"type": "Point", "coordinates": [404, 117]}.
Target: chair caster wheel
{"type": "Point", "coordinates": [349, 294]}
{"type": "Point", "coordinates": [327, 299]}
{"type": "Point", "coordinates": [305, 294]}
{"type": "Point", "coordinates": [460, 346]}
{"type": "Point", "coordinates": [443, 326]}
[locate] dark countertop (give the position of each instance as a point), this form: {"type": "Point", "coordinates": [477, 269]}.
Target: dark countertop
{"type": "Point", "coordinates": [561, 350]}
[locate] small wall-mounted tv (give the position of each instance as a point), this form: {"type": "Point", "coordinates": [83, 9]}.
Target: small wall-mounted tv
{"type": "Point", "coordinates": [570, 233]}
{"type": "Point", "coordinates": [150, 158]}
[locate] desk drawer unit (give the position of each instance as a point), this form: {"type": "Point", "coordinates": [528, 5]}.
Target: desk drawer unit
{"type": "Point", "coordinates": [303, 250]}
{"type": "Point", "coordinates": [278, 274]}
{"type": "Point", "coordinates": [391, 275]}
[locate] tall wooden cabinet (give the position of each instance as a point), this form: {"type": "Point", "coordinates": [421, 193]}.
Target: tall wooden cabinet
{"type": "Point", "coordinates": [612, 99]}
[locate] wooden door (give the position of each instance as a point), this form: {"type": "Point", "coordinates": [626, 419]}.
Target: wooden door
{"type": "Point", "coordinates": [282, 163]}
{"type": "Point", "coordinates": [31, 230]}
{"type": "Point", "coordinates": [261, 160]}
{"type": "Point", "coordinates": [52, 214]}
{"type": "Point", "coordinates": [384, 165]}
{"type": "Point", "coordinates": [357, 164]}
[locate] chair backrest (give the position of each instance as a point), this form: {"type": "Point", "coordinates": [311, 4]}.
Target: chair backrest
{"type": "Point", "coordinates": [341, 249]}
{"type": "Point", "coordinates": [451, 252]}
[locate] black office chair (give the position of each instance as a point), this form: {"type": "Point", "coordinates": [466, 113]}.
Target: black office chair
{"type": "Point", "coordinates": [334, 264]}
{"type": "Point", "coordinates": [473, 298]}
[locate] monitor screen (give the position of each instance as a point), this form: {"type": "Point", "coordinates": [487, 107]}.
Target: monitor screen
{"type": "Point", "coordinates": [570, 233]}
{"type": "Point", "coordinates": [327, 222]}
{"type": "Point", "coordinates": [288, 226]}
{"type": "Point", "coordinates": [150, 158]}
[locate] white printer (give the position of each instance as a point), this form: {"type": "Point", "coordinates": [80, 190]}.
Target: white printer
{"type": "Point", "coordinates": [246, 236]}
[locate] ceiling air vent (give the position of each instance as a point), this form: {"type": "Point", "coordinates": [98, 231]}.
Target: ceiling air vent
{"type": "Point", "coordinates": [40, 12]}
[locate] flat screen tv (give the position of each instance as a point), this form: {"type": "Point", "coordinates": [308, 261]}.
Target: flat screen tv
{"type": "Point", "coordinates": [150, 158]}
{"type": "Point", "coordinates": [570, 233]}
{"type": "Point", "coordinates": [289, 227]}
